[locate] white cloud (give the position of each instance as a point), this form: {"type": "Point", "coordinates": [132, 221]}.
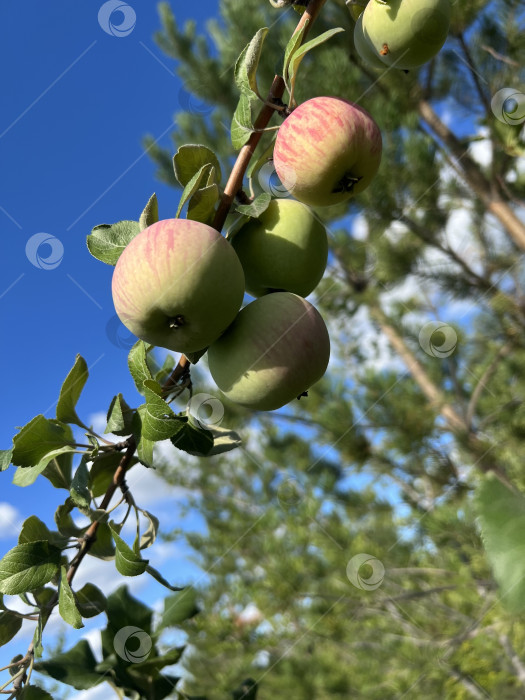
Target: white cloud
{"type": "Point", "coordinates": [481, 151]}
{"type": "Point", "coordinates": [10, 521]}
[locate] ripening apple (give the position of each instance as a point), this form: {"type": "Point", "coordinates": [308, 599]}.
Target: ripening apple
{"type": "Point", "coordinates": [406, 33]}
{"type": "Point", "coordinates": [285, 249]}
{"type": "Point", "coordinates": [365, 49]}
{"type": "Point", "coordinates": [276, 348]}
{"type": "Point", "coordinates": [327, 151]}
{"type": "Point", "coordinates": [178, 284]}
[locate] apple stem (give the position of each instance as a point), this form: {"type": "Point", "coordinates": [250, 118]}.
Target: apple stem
{"type": "Point", "coordinates": [177, 321]}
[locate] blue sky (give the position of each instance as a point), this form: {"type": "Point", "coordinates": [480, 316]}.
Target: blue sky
{"type": "Point", "coordinates": [76, 103]}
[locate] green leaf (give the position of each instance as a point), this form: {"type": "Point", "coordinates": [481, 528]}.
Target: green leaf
{"type": "Point", "coordinates": [257, 207]}
{"type": "Point", "coordinates": [58, 470]}
{"type": "Point", "coordinates": [34, 530]}
{"type": "Point", "coordinates": [242, 120]}
{"type": "Point", "coordinates": [293, 44]}
{"type": "Point", "coordinates": [301, 52]}
{"type": "Point", "coordinates": [144, 446]}
{"type": "Point", "coordinates": [192, 438]}
{"type": "Point", "coordinates": [5, 459]}
{"type": "Point", "coordinates": [190, 158]}
{"type": "Point", "coordinates": [159, 421]}
{"type": "Point", "coordinates": [138, 365]}
{"type": "Point", "coordinates": [224, 440]}
{"type": "Point", "coordinates": [107, 241]}
{"type": "Point", "coordinates": [179, 607]}
{"type": "Point", "coordinates": [120, 417]}
{"type": "Point", "coordinates": [34, 692]}
{"type": "Point", "coordinates": [502, 519]}
{"type": "Point", "coordinates": [201, 206]}
{"type": "Point", "coordinates": [39, 439]}
{"type": "Point", "coordinates": [162, 373]}
{"type": "Point", "coordinates": [64, 521]}
{"type": "Point", "coordinates": [150, 215]}
{"type": "Point", "coordinates": [192, 186]}
{"type": "Point", "coordinates": [25, 476]}
{"type": "Point", "coordinates": [28, 566]}
{"type": "Point", "coordinates": [245, 73]}
{"type": "Point", "coordinates": [70, 392]}
{"type": "Point", "coordinates": [75, 667]}
{"type": "Point", "coordinates": [10, 624]}
{"type": "Point", "coordinates": [127, 562]}
{"type": "Point", "coordinates": [123, 610]}
{"type": "Point", "coordinates": [160, 578]}
{"type": "Point", "coordinates": [79, 490]}
{"type": "Point", "coordinates": [90, 600]}
{"type": "Point", "coordinates": [150, 534]}
{"type": "Point", "coordinates": [103, 547]}
{"type": "Point", "coordinates": [67, 606]}
{"type": "Point", "coordinates": [43, 596]}
{"type": "Point", "coordinates": [156, 663]}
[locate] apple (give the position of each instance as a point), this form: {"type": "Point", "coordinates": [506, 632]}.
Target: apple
{"type": "Point", "coordinates": [285, 249]}
{"type": "Point", "coordinates": [276, 348]}
{"type": "Point", "coordinates": [406, 33]}
{"type": "Point", "coordinates": [327, 151]}
{"type": "Point", "coordinates": [178, 284]}
{"type": "Point", "coordinates": [365, 49]}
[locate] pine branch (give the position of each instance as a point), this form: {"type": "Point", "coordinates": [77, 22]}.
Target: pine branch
{"type": "Point", "coordinates": [473, 175]}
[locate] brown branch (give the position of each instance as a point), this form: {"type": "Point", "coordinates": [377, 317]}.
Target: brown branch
{"type": "Point", "coordinates": [474, 74]}
{"type": "Point", "coordinates": [474, 176]}
{"type": "Point", "coordinates": [234, 183]}
{"type": "Point", "coordinates": [487, 374]}
{"type": "Point", "coordinates": [500, 56]}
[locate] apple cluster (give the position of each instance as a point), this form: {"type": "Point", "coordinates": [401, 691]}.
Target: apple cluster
{"type": "Point", "coordinates": [179, 284]}
{"type": "Point", "coordinates": [401, 34]}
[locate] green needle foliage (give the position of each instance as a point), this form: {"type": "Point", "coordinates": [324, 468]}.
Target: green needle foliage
{"type": "Point", "coordinates": [367, 540]}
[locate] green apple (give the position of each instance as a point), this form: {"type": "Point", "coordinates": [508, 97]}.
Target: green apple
{"type": "Point", "coordinates": [178, 284]}
{"type": "Point", "coordinates": [365, 49]}
{"type": "Point", "coordinates": [276, 348]}
{"type": "Point", "coordinates": [406, 33]}
{"type": "Point", "coordinates": [327, 151]}
{"type": "Point", "coordinates": [285, 249]}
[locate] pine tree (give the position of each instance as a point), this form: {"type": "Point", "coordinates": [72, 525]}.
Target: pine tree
{"type": "Point", "coordinates": [424, 397]}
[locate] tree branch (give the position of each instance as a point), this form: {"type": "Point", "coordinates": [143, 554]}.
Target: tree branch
{"type": "Point", "coordinates": [474, 176]}
{"type": "Point", "coordinates": [234, 183]}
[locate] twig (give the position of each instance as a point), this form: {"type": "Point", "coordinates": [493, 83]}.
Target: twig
{"type": "Point", "coordinates": [487, 374]}
{"type": "Point", "coordinates": [234, 183]}
{"type": "Point", "coordinates": [500, 56]}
